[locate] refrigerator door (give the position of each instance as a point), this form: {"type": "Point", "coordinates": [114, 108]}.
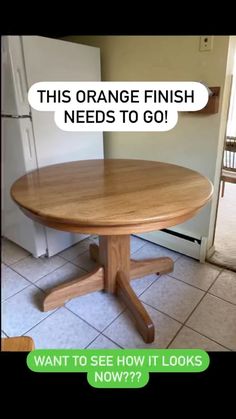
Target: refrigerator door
{"type": "Point", "coordinates": [14, 87]}
{"type": "Point", "coordinates": [18, 158]}
{"type": "Point", "coordinates": [54, 60]}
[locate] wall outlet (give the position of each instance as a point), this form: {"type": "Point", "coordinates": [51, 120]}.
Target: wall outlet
{"type": "Point", "coordinates": [206, 43]}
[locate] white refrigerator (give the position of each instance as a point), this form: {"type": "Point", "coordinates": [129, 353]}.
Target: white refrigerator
{"type": "Point", "coordinates": [31, 139]}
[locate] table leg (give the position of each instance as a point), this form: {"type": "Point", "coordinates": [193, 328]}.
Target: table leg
{"type": "Point", "coordinates": [142, 319]}
{"type": "Point", "coordinates": [113, 253]}
{"type": "Point", "coordinates": [114, 256]}
{"type": "Point", "coordinates": [113, 274]}
{"type": "Point", "coordinates": [57, 296]}
{"type": "Point", "coordinates": [140, 268]}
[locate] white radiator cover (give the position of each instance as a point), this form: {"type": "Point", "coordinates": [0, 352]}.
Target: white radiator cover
{"type": "Point", "coordinates": [190, 246]}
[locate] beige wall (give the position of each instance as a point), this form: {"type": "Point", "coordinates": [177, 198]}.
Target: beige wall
{"type": "Point", "coordinates": [162, 58]}
{"type": "Point", "coordinates": [194, 141]}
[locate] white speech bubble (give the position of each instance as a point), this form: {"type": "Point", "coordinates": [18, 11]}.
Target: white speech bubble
{"type": "Point", "coordinates": [117, 106]}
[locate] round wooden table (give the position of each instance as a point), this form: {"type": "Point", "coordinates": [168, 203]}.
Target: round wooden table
{"type": "Point", "coordinates": [112, 198]}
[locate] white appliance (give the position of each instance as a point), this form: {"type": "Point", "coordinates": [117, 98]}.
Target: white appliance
{"type": "Point", "coordinates": [31, 139]}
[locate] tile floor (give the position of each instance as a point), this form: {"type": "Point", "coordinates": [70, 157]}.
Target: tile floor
{"type": "Point", "coordinates": [193, 307]}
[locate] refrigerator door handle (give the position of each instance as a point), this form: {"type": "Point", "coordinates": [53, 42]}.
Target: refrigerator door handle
{"type": "Point", "coordinates": [29, 144]}
{"type": "Point", "coordinates": [27, 138]}
{"type": "Point", "coordinates": [20, 86]}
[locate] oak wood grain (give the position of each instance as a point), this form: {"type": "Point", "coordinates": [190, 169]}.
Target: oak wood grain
{"type": "Point", "coordinates": [57, 296]}
{"type": "Point", "coordinates": [159, 266]}
{"type": "Point", "coordinates": [139, 268]}
{"type": "Point", "coordinates": [17, 344]}
{"type": "Point", "coordinates": [114, 256]}
{"type": "Point", "coordinates": [113, 196]}
{"type": "Point", "coordinates": [142, 319]}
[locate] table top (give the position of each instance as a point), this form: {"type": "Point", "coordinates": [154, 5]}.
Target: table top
{"type": "Point", "coordinates": [111, 196]}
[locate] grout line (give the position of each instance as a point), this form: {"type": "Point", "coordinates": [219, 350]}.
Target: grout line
{"type": "Point", "coordinates": [66, 261]}
{"type": "Point", "coordinates": [160, 247]}
{"type": "Point", "coordinates": [122, 312]}
{"type": "Point", "coordinates": [184, 323]}
{"type": "Point", "coordinates": [148, 286]}
{"type": "Point", "coordinates": [69, 260]}
{"type": "Point", "coordinates": [187, 283]}
{"type": "Point", "coordinates": [162, 312]}
{"type": "Point", "coordinates": [154, 257]}
{"type": "Point", "coordinates": [80, 267]}
{"type": "Point", "coordinates": [205, 292]}
{"type": "Point", "coordinates": [137, 250]}
{"type": "Point", "coordinates": [4, 263]}
{"type": "Point", "coordinates": [19, 260]}
{"type": "Point", "coordinates": [222, 267]}
{"type": "Point", "coordinates": [100, 331]}
{"type": "Point", "coordinates": [175, 335]}
{"type": "Point", "coordinates": [81, 318]}
{"type": "Point", "coordinates": [220, 298]}
{"type": "Point", "coordinates": [117, 344]}
{"type": "Point", "coordinates": [50, 273]}
{"type": "Point", "coordinates": [13, 295]}
{"type": "Point", "coordinates": [54, 311]}
{"type": "Point", "coordinates": [125, 309]}
{"type": "Point", "coordinates": [214, 282]}
{"type": "Point", "coordinates": [213, 340]}
{"type": "Point", "coordinates": [40, 289]}
{"type": "Point", "coordinates": [42, 320]}
{"type": "Point", "coordinates": [90, 241]}
{"type": "Point", "coordinates": [34, 283]}
{"type": "Point", "coordinates": [86, 347]}
{"type": "Point", "coordinates": [41, 276]}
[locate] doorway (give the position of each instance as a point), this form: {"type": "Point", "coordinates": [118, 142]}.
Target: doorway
{"type": "Point", "coordinates": [225, 233]}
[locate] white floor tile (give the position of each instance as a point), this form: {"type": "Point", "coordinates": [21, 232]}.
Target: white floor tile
{"type": "Point", "coordinates": [200, 275]}
{"type": "Point", "coordinates": [141, 284]}
{"type": "Point", "coordinates": [64, 330]}
{"type": "Point", "coordinates": [123, 331]}
{"type": "Point", "coordinates": [11, 282]}
{"type": "Point", "coordinates": [76, 250]}
{"type": "Point", "coordinates": [23, 311]}
{"type": "Point", "coordinates": [172, 297]}
{"type": "Point", "coordinates": [150, 250]}
{"type": "Point", "coordinates": [98, 308]}
{"type": "Point", "coordinates": [85, 262]}
{"type": "Point", "coordinates": [66, 273]}
{"type": "Point", "coordinates": [225, 286]}
{"type": "Point", "coordinates": [3, 335]}
{"type": "Point", "coordinates": [35, 268]}
{"type": "Point", "coordinates": [12, 253]}
{"type": "Point", "coordinates": [216, 319]}
{"type": "Point", "coordinates": [136, 243]}
{"type": "Point", "coordinates": [101, 342]}
{"type": "Point", "coordinates": [189, 339]}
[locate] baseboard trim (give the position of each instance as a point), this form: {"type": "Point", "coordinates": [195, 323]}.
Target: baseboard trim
{"type": "Point", "coordinates": [189, 246]}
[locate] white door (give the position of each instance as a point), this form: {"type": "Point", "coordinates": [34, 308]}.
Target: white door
{"type": "Point", "coordinates": [54, 60]}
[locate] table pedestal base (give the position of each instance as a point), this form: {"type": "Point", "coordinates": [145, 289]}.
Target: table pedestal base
{"type": "Point", "coordinates": [113, 274]}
